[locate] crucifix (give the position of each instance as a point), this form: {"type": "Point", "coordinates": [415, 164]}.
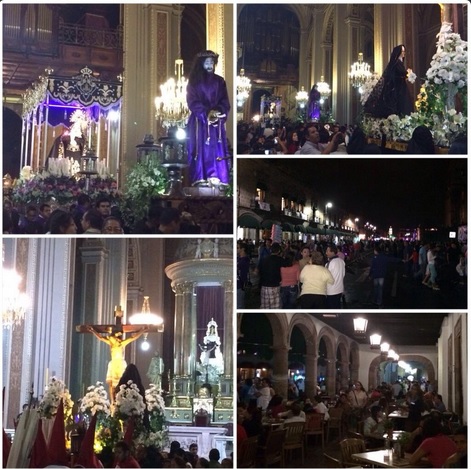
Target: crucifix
{"type": "Point", "coordinates": [113, 335]}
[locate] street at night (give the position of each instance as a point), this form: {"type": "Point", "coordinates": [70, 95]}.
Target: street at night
{"type": "Point", "coordinates": [399, 226]}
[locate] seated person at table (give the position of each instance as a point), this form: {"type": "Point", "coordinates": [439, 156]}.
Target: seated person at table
{"type": "Point", "coordinates": [373, 428]}
{"type": "Point", "coordinates": [436, 447]}
{"type": "Point", "coordinates": [252, 421]}
{"type": "Point", "coordinates": [321, 408]}
{"type": "Point", "coordinates": [460, 458]}
{"type": "Point", "coordinates": [415, 403]}
{"type": "Point", "coordinates": [275, 406]}
{"type": "Point", "coordinates": [438, 403]}
{"type": "Point", "coordinates": [295, 414]}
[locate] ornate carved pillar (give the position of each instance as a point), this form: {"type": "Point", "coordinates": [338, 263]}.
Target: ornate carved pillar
{"type": "Point", "coordinates": [280, 369]}
{"type": "Point", "coordinates": [305, 57]}
{"type": "Point", "coordinates": [311, 375]}
{"type": "Point", "coordinates": [149, 54]}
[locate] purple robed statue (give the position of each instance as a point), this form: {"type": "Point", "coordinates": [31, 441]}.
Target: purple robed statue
{"type": "Point", "coordinates": [208, 102]}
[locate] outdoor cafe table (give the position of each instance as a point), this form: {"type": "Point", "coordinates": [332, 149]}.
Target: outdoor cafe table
{"type": "Point", "coordinates": [395, 435]}
{"type": "Point", "coordinates": [398, 414]}
{"type": "Point", "coordinates": [376, 459]}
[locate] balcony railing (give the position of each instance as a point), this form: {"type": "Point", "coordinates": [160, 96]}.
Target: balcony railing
{"type": "Point", "coordinates": [73, 34]}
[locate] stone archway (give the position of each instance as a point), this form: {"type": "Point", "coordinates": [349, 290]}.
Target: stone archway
{"type": "Point", "coordinates": [342, 364]}
{"type": "Point", "coordinates": [304, 323]}
{"type": "Point", "coordinates": [375, 363]}
{"type": "Point", "coordinates": [329, 338]}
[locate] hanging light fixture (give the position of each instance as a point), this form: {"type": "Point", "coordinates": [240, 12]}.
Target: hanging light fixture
{"type": "Point", "coordinates": [14, 301]}
{"type": "Point", "coordinates": [171, 109]}
{"type": "Point", "coordinates": [302, 98]}
{"type": "Point", "coordinates": [324, 89]}
{"type": "Point", "coordinates": [243, 86]}
{"type": "Point", "coordinates": [145, 316]}
{"type": "Point", "coordinates": [375, 341]}
{"type": "Point", "coordinates": [359, 327]}
{"type": "Point", "coordinates": [360, 72]}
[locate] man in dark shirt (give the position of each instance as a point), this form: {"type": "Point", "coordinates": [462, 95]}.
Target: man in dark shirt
{"type": "Point", "coordinates": [270, 278]}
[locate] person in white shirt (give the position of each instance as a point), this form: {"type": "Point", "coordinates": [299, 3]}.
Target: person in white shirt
{"type": "Point", "coordinates": [295, 414]}
{"type": "Point", "coordinates": [263, 395]}
{"type": "Point", "coordinates": [321, 408]}
{"type": "Point", "coordinates": [336, 267]}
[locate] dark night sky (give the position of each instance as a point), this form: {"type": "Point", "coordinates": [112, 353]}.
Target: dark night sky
{"type": "Point", "coordinates": [402, 192]}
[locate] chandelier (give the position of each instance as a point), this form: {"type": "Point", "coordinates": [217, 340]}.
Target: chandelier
{"type": "Point", "coordinates": [324, 89]}
{"type": "Point", "coordinates": [360, 72]}
{"type": "Point", "coordinates": [145, 316]}
{"type": "Point", "coordinates": [302, 98]}
{"type": "Point", "coordinates": [243, 88]}
{"type": "Point", "coordinates": [14, 302]}
{"type": "Point", "coordinates": [171, 109]}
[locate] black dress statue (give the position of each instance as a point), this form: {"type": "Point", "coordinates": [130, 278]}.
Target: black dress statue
{"type": "Point", "coordinates": [390, 95]}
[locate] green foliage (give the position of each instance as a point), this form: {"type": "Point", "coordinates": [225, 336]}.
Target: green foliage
{"type": "Point", "coordinates": [145, 181]}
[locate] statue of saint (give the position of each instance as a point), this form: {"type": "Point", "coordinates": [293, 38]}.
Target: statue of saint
{"type": "Point", "coordinates": [156, 370]}
{"type": "Point", "coordinates": [210, 349]}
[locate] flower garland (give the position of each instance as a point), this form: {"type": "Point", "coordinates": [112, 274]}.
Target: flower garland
{"type": "Point", "coordinates": [59, 186]}
{"type": "Point", "coordinates": [96, 401]}
{"type": "Point", "coordinates": [129, 402]}
{"type": "Point", "coordinates": [54, 392]}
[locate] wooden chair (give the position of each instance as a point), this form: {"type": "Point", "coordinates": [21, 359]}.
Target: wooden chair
{"type": "Point", "coordinates": [247, 452]}
{"type": "Point", "coordinates": [272, 452]}
{"type": "Point", "coordinates": [330, 461]}
{"type": "Point", "coordinates": [349, 446]}
{"type": "Point", "coordinates": [335, 422]}
{"type": "Point", "coordinates": [294, 439]}
{"type": "Point", "coordinates": [314, 426]}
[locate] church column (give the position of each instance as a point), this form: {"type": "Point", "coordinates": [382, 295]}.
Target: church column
{"type": "Point", "coordinates": [305, 56]}
{"type": "Point", "coordinates": [219, 38]}
{"type": "Point", "coordinates": [343, 373]}
{"type": "Point", "coordinates": [149, 54]}
{"type": "Point", "coordinates": [93, 355]}
{"type": "Point", "coordinates": [311, 374]}
{"type": "Point", "coordinates": [342, 58]}
{"type": "Point", "coordinates": [228, 332]}
{"type": "Point", "coordinates": [280, 369]}
{"type": "Point", "coordinates": [182, 334]}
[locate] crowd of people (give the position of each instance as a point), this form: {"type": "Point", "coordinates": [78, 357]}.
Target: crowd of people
{"type": "Point", "coordinates": [313, 138]}
{"type": "Point", "coordinates": [431, 431]}
{"type": "Point", "coordinates": [311, 275]}
{"type": "Point", "coordinates": [93, 217]}
{"type": "Point", "coordinates": [126, 456]}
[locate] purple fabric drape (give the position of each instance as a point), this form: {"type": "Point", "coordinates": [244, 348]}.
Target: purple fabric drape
{"type": "Point", "coordinates": [209, 304]}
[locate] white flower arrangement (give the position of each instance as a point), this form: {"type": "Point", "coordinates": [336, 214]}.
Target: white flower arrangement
{"type": "Point", "coordinates": [96, 400]}
{"type": "Point", "coordinates": [53, 393]}
{"type": "Point", "coordinates": [129, 401]}
{"type": "Point", "coordinates": [154, 400]}
{"type": "Point", "coordinates": [450, 62]}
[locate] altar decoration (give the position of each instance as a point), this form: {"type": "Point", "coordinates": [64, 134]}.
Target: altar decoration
{"type": "Point", "coordinates": [60, 184]}
{"type": "Point", "coordinates": [53, 393]}
{"type": "Point", "coordinates": [146, 180]}
{"type": "Point", "coordinates": [444, 87]}
{"type": "Point", "coordinates": [96, 401]}
{"type": "Point", "coordinates": [71, 114]}
{"type": "Point", "coordinates": [129, 402]}
{"type": "Point", "coordinates": [158, 431]}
